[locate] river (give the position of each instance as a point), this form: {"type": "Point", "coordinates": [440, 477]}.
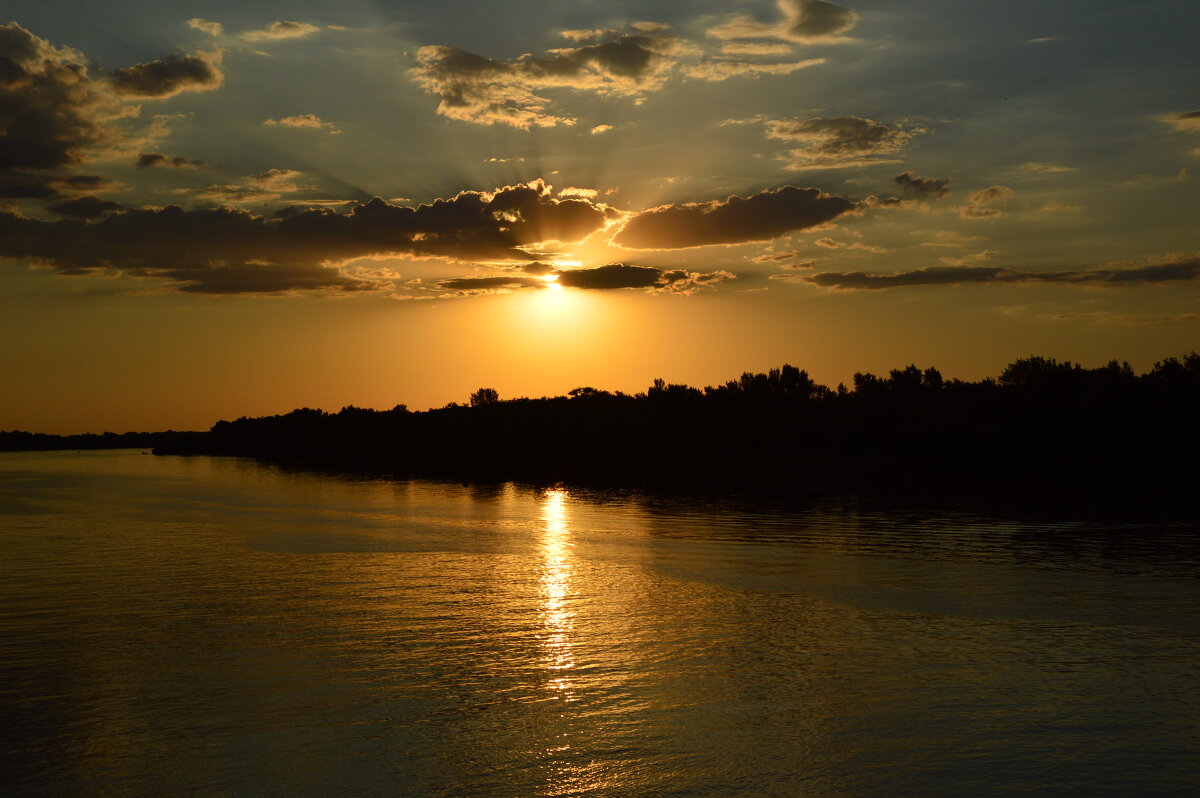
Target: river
{"type": "Point", "coordinates": [218, 626]}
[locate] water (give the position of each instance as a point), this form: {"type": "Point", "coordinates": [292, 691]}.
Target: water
{"type": "Point", "coordinates": [207, 626]}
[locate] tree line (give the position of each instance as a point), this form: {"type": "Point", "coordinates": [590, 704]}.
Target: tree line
{"type": "Point", "coordinates": [1041, 425]}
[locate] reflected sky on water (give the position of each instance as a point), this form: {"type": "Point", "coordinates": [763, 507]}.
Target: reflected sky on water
{"type": "Point", "coordinates": [217, 626]}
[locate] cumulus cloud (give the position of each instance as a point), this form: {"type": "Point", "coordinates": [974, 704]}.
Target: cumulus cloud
{"type": "Point", "coordinates": [155, 160]}
{"type": "Point", "coordinates": [213, 249]}
{"type": "Point", "coordinates": [1171, 269]}
{"type": "Point", "coordinates": [724, 69]}
{"type": "Point", "coordinates": [909, 183]}
{"type": "Point", "coordinates": [205, 26]}
{"type": "Point", "coordinates": [51, 110]}
{"type": "Point", "coordinates": [169, 76]}
{"type": "Point", "coordinates": [87, 207]}
{"type": "Point", "coordinates": [598, 129]}
{"type": "Point", "coordinates": [802, 21]}
{"type": "Point", "coordinates": [979, 206]}
{"type": "Point", "coordinates": [838, 142]}
{"type": "Point", "coordinates": [472, 88]}
{"type": "Point", "coordinates": [735, 220]}
{"type": "Point", "coordinates": [310, 121]}
{"type": "Point", "coordinates": [284, 29]}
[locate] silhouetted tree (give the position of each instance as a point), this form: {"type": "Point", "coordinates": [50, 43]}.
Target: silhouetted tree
{"type": "Point", "coordinates": [485, 396]}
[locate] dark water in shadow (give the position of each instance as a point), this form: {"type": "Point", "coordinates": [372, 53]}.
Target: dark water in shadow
{"type": "Point", "coordinates": [218, 627]}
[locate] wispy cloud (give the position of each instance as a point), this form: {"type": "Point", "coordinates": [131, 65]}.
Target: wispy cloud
{"type": "Point", "coordinates": [308, 121]}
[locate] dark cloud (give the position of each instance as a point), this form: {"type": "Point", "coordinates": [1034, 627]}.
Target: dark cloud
{"type": "Point", "coordinates": [87, 207]}
{"type": "Point", "coordinates": [215, 247]}
{"type": "Point", "coordinates": [909, 183]}
{"type": "Point", "coordinates": [615, 275]}
{"type": "Point", "coordinates": [839, 142]}
{"type": "Point", "coordinates": [612, 277]}
{"type": "Point", "coordinates": [169, 76]}
{"type": "Point", "coordinates": [152, 160]}
{"type": "Point", "coordinates": [48, 104]}
{"type": "Point", "coordinates": [537, 268]}
{"type": "Point", "coordinates": [18, 185]}
{"type": "Point", "coordinates": [803, 21]}
{"type": "Point", "coordinates": [473, 88]}
{"type": "Point", "coordinates": [1171, 270]}
{"type": "Point", "coordinates": [813, 21]}
{"type": "Point", "coordinates": [735, 220]}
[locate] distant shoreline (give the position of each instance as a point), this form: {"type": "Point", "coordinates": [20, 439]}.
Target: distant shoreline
{"type": "Point", "coordinates": [1041, 431]}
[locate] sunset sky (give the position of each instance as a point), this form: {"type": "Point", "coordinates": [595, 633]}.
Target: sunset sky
{"type": "Point", "coordinates": [217, 209]}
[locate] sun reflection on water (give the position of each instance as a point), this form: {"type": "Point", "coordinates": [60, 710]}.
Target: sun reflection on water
{"type": "Point", "coordinates": [557, 618]}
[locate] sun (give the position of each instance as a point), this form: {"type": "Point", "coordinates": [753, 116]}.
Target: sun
{"type": "Point", "coordinates": [551, 281]}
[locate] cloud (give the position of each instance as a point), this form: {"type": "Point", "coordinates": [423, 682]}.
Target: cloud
{"type": "Point", "coordinates": [1037, 168]}
{"type": "Point", "coordinates": [755, 48]}
{"type": "Point", "coordinates": [1170, 269]}
{"type": "Point", "coordinates": [205, 26]}
{"type": "Point", "coordinates": [283, 29]}
{"type": "Point", "coordinates": [472, 88]}
{"type": "Point", "coordinates": [233, 193]}
{"type": "Point", "coordinates": [681, 281]}
{"type": "Point", "coordinates": [585, 34]}
{"type": "Point", "coordinates": [838, 142]}
{"type": "Point", "coordinates": [87, 207]}
{"type": "Point", "coordinates": [275, 180]}
{"type": "Point", "coordinates": [598, 129]}
{"type": "Point", "coordinates": [1043, 40]}
{"type": "Point", "coordinates": [735, 220]}
{"type": "Point", "coordinates": [615, 275]}
{"type": "Point", "coordinates": [51, 111]}
{"type": "Point", "coordinates": [476, 284]}
{"type": "Point", "coordinates": [829, 243]}
{"type": "Point", "coordinates": [154, 160]}
{"type": "Point", "coordinates": [979, 205]}
{"type": "Point", "coordinates": [16, 185]}
{"type": "Point", "coordinates": [1187, 121]}
{"type": "Point", "coordinates": [169, 76]}
{"type": "Point", "coordinates": [725, 69]}
{"type": "Point", "coordinates": [780, 259]}
{"type": "Point", "coordinates": [310, 121]}
{"type": "Point", "coordinates": [909, 183]}
{"type": "Point", "coordinates": [212, 249]}
{"type": "Point", "coordinates": [803, 21]}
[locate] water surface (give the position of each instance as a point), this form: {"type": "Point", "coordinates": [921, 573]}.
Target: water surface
{"type": "Point", "coordinates": [212, 626]}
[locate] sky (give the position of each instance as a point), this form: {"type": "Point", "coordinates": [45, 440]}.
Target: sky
{"type": "Point", "coordinates": [217, 209]}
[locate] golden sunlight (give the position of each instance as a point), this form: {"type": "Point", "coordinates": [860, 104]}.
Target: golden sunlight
{"type": "Point", "coordinates": [557, 618]}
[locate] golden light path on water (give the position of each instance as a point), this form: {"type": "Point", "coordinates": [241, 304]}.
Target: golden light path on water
{"type": "Point", "coordinates": [557, 617]}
